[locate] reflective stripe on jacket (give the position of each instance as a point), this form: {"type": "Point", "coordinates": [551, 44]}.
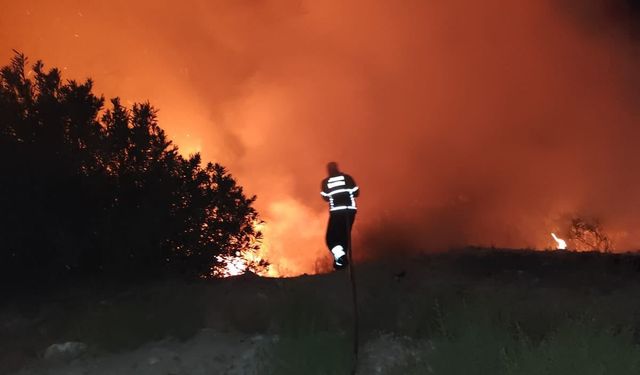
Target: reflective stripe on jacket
{"type": "Point", "coordinates": [341, 192]}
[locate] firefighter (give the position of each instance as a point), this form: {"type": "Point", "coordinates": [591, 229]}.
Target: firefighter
{"type": "Point", "coordinates": [340, 190]}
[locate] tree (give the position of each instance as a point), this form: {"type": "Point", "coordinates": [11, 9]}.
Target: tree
{"type": "Point", "coordinates": [88, 189]}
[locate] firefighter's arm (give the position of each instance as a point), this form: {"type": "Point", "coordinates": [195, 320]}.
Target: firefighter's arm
{"type": "Point", "coordinates": [355, 186]}
{"type": "Point", "coordinates": [323, 191]}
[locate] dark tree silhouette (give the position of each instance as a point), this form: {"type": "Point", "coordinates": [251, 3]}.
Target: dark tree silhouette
{"type": "Point", "coordinates": [91, 190]}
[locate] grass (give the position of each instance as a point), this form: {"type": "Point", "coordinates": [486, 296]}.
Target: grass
{"type": "Point", "coordinates": [311, 338]}
{"type": "Point", "coordinates": [316, 353]}
{"type": "Point", "coordinates": [577, 320]}
{"type": "Point", "coordinates": [141, 316]}
{"type": "Point", "coordinates": [117, 321]}
{"type": "Point", "coordinates": [579, 347]}
{"type": "Point", "coordinates": [481, 345]}
{"type": "Point", "coordinates": [485, 312]}
{"type": "Point", "coordinates": [108, 319]}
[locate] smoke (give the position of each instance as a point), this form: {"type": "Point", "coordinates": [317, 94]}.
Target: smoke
{"type": "Point", "coordinates": [464, 122]}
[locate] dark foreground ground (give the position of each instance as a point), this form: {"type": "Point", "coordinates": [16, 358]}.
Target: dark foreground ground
{"type": "Point", "coordinates": [474, 311]}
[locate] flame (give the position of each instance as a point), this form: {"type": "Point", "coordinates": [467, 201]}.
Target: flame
{"type": "Point", "coordinates": [251, 259]}
{"type": "Point", "coordinates": [231, 265]}
{"type": "Point", "coordinates": [562, 244]}
{"type": "Point", "coordinates": [293, 240]}
{"type": "Point", "coordinates": [290, 246]}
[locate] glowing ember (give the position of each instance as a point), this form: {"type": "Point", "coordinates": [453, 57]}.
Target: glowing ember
{"type": "Point", "coordinates": [562, 244]}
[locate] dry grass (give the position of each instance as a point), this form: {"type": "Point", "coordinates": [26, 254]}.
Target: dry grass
{"type": "Point", "coordinates": [482, 311]}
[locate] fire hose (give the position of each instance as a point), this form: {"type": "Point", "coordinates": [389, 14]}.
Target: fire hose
{"type": "Point", "coordinates": [354, 297]}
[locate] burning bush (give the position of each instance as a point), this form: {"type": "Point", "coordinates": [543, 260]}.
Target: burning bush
{"type": "Point", "coordinates": [588, 235]}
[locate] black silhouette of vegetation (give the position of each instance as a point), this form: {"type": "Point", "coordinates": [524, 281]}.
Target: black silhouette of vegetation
{"type": "Point", "coordinates": [93, 190]}
{"type": "Point", "coordinates": [589, 235]}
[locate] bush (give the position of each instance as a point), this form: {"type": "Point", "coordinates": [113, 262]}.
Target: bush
{"type": "Point", "coordinates": [88, 189]}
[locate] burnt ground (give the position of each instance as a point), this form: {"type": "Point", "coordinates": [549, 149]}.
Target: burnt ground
{"type": "Point", "coordinates": [501, 310]}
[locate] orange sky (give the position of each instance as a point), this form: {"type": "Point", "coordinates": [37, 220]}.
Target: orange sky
{"type": "Point", "coordinates": [464, 122]}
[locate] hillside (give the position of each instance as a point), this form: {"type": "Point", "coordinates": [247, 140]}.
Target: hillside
{"type": "Point", "coordinates": [472, 311]}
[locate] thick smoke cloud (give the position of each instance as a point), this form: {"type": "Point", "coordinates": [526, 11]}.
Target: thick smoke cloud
{"type": "Point", "coordinates": [464, 122]}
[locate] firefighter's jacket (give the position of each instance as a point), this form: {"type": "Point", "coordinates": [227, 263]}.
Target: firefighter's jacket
{"type": "Point", "coordinates": [340, 191]}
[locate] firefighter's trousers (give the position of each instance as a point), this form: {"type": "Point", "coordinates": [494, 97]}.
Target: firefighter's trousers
{"type": "Point", "coordinates": [339, 228]}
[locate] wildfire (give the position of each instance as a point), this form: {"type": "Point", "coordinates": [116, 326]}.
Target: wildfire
{"type": "Point", "coordinates": [562, 244]}
{"type": "Point", "coordinates": [232, 265]}
{"type": "Point", "coordinates": [251, 259]}
{"type": "Point", "coordinates": [286, 248]}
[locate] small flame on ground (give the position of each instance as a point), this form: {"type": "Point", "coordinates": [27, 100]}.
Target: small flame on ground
{"type": "Point", "coordinates": [251, 259]}
{"type": "Point", "coordinates": [562, 244]}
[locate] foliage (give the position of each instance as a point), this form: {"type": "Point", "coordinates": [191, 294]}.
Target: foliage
{"type": "Point", "coordinates": [588, 234]}
{"type": "Point", "coordinates": [89, 189]}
